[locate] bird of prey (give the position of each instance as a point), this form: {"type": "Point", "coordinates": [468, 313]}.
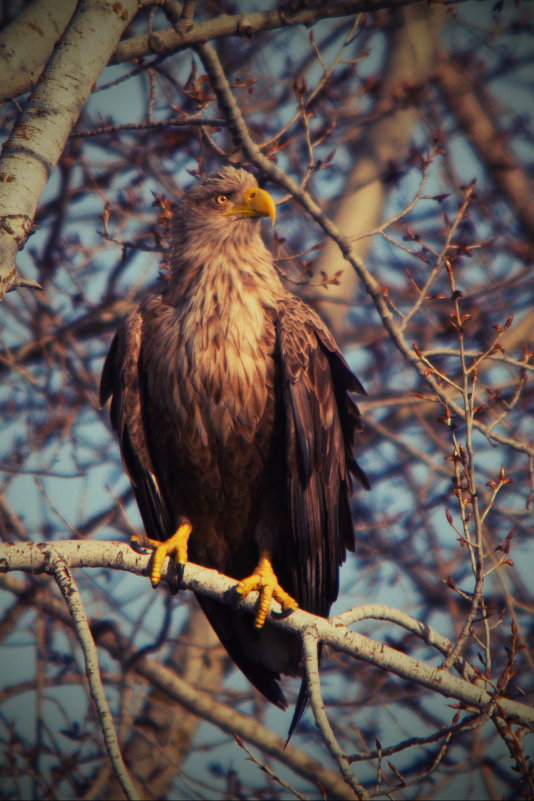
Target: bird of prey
{"type": "Point", "coordinates": [230, 399]}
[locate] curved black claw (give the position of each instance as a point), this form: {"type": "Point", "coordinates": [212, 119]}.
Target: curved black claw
{"type": "Point", "coordinates": [138, 545]}
{"type": "Point", "coordinates": [176, 581]}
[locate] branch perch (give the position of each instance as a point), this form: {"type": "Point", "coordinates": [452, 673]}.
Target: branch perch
{"type": "Point", "coordinates": [33, 558]}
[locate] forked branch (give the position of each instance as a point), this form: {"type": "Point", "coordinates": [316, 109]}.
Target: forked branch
{"type": "Point", "coordinates": [478, 694]}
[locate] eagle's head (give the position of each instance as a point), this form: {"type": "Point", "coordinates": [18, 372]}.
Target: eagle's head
{"type": "Point", "coordinates": [215, 225]}
{"type": "Point", "coordinates": [220, 203]}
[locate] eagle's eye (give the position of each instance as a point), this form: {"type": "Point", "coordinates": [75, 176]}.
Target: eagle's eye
{"type": "Point", "coordinates": [221, 200]}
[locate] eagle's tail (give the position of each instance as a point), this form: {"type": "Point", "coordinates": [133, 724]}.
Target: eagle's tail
{"type": "Point", "coordinates": [300, 708]}
{"type": "Point", "coordinates": [248, 647]}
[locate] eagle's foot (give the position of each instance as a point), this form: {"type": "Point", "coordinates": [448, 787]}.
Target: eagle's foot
{"type": "Point", "coordinates": [175, 546]}
{"type": "Point", "coordinates": [264, 581]}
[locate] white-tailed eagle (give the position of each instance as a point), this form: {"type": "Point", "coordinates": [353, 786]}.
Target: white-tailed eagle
{"type": "Point", "coordinates": [231, 402]}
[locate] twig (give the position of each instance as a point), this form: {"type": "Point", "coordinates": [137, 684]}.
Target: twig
{"type": "Point", "coordinates": [476, 551]}
{"type": "Point", "coordinates": [184, 122]}
{"type": "Point", "coordinates": [311, 665]}
{"type": "Point", "coordinates": [439, 263]}
{"type": "Point", "coordinates": [29, 283]}
{"type": "Point", "coordinates": [304, 102]}
{"type": "Point", "coordinates": [59, 568]}
{"type": "Point", "coordinates": [468, 723]}
{"type": "Point", "coordinates": [380, 229]}
{"type": "Point", "coordinates": [266, 769]}
{"type": "Point", "coordinates": [497, 357]}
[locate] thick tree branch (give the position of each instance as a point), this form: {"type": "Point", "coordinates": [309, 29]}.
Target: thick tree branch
{"type": "Point", "coordinates": [27, 42]}
{"type": "Point", "coordinates": [34, 558]}
{"type": "Point", "coordinates": [39, 137]}
{"type": "Point", "coordinates": [171, 39]}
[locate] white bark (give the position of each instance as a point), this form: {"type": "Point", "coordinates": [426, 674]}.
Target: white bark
{"type": "Point", "coordinates": [27, 42]}
{"type": "Point", "coordinates": [71, 594]}
{"type": "Point", "coordinates": [39, 137]}
{"type": "Point", "coordinates": [36, 557]}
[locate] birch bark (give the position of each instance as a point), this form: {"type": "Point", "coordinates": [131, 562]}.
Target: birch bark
{"type": "Point", "coordinates": [39, 137]}
{"type": "Point", "coordinates": [27, 42]}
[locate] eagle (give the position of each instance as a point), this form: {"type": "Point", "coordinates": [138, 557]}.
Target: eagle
{"type": "Point", "coordinates": [232, 405]}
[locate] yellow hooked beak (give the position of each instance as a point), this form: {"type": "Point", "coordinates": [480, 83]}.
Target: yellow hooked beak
{"type": "Point", "coordinates": [258, 203]}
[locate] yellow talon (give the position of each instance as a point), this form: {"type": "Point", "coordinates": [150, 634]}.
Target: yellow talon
{"type": "Point", "coordinates": [264, 581]}
{"type": "Point", "coordinates": [175, 546]}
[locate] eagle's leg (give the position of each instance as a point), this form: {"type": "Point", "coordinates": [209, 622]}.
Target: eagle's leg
{"type": "Point", "coordinates": [175, 546]}
{"type": "Point", "coordinates": [264, 581]}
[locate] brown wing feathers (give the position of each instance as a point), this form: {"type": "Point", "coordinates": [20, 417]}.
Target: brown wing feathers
{"type": "Point", "coordinates": [120, 381]}
{"type": "Point", "coordinates": [321, 423]}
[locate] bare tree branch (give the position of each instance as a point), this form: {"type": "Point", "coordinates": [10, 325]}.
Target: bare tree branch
{"type": "Point", "coordinates": [39, 137]}
{"type": "Point", "coordinates": [58, 568]}
{"type": "Point", "coordinates": [27, 42]}
{"type": "Point", "coordinates": [311, 664]}
{"type": "Point", "coordinates": [244, 25]}
{"type": "Point", "coordinates": [34, 558]}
